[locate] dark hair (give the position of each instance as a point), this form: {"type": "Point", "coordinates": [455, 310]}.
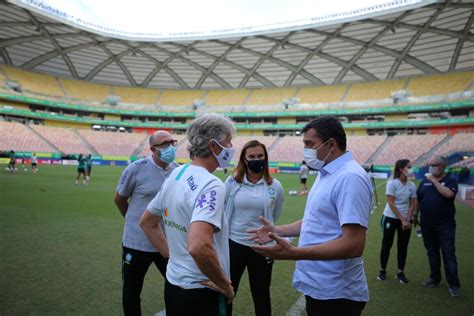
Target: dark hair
{"type": "Point", "coordinates": [399, 165]}
{"type": "Point", "coordinates": [241, 168]}
{"type": "Point", "coordinates": [327, 127]}
{"type": "Point", "coordinates": [303, 162]}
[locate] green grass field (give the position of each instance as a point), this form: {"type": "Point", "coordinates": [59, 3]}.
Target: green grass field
{"type": "Point", "coordinates": [60, 253]}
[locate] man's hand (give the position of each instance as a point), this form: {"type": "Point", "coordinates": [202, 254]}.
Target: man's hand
{"type": "Point", "coordinates": [283, 249]}
{"type": "Point", "coordinates": [261, 235]}
{"type": "Point", "coordinates": [228, 291]}
{"type": "Point", "coordinates": [430, 177]}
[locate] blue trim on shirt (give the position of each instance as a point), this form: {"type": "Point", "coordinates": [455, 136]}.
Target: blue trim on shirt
{"type": "Point", "coordinates": [180, 174]}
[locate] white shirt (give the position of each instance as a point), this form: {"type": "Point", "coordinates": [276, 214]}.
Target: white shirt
{"type": "Point", "coordinates": [249, 202]}
{"type": "Point", "coordinates": [140, 181]}
{"type": "Point", "coordinates": [342, 194]}
{"type": "Point", "coordinates": [304, 171]}
{"type": "Point", "coordinates": [191, 194]}
{"type": "Point", "coordinates": [402, 194]}
{"type": "Point", "coordinates": [34, 159]}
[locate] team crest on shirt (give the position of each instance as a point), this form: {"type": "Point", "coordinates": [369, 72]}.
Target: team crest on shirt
{"type": "Point", "coordinates": [271, 191]}
{"type": "Point", "coordinates": [207, 200]}
{"type": "Point", "coordinates": [165, 212]}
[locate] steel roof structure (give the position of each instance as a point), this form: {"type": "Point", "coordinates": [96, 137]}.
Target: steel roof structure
{"type": "Point", "coordinates": [433, 39]}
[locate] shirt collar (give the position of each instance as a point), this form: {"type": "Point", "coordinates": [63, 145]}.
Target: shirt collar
{"type": "Point", "coordinates": [246, 181]}
{"type": "Point", "coordinates": [336, 163]}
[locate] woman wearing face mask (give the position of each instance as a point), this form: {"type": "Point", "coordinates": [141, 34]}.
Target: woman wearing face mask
{"type": "Point", "coordinates": [401, 196]}
{"type": "Point", "coordinates": [251, 193]}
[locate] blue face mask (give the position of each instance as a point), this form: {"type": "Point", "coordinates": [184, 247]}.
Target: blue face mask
{"type": "Point", "coordinates": [168, 154]}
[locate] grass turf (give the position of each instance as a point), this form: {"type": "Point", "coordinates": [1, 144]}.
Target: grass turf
{"type": "Point", "coordinates": [60, 247]}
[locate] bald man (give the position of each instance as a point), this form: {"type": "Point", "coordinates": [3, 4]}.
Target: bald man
{"type": "Point", "coordinates": [436, 194]}
{"type": "Point", "coordinates": [138, 185]}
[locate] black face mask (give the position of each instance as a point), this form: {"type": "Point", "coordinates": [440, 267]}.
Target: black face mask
{"type": "Point", "coordinates": [256, 166]}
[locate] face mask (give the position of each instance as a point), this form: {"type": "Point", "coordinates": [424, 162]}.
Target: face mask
{"type": "Point", "coordinates": [433, 170]}
{"type": "Point", "coordinates": [310, 156]}
{"type": "Point", "coordinates": [256, 166]}
{"type": "Point", "coordinates": [168, 154]}
{"type": "Point", "coordinates": [223, 159]}
{"type": "Point", "coordinates": [409, 173]}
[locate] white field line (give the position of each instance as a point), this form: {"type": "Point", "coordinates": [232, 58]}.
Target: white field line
{"type": "Point", "coordinates": [161, 313]}
{"type": "Point", "coordinates": [298, 307]}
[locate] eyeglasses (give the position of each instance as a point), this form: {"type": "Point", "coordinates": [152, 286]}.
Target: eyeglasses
{"type": "Point", "coordinates": [166, 144]}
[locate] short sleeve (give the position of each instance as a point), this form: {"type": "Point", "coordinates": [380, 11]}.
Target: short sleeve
{"type": "Point", "coordinates": [452, 184]}
{"type": "Point", "coordinates": [209, 206]}
{"type": "Point", "coordinates": [279, 201]}
{"type": "Point", "coordinates": [154, 207]}
{"type": "Point", "coordinates": [390, 189]}
{"type": "Point", "coordinates": [126, 183]}
{"type": "Point", "coordinates": [354, 200]}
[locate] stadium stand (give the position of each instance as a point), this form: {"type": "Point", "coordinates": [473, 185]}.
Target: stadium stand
{"type": "Point", "coordinates": [373, 90]}
{"type": "Point", "coordinates": [180, 97]}
{"type": "Point", "coordinates": [363, 147]}
{"type": "Point", "coordinates": [287, 149]}
{"type": "Point", "coordinates": [18, 137]}
{"type": "Point", "coordinates": [136, 95]}
{"type": "Point", "coordinates": [270, 96]}
{"type": "Point", "coordinates": [112, 143]}
{"type": "Point", "coordinates": [440, 84]}
{"type": "Point", "coordinates": [226, 97]}
{"type": "Point", "coordinates": [66, 139]}
{"type": "Point", "coordinates": [321, 94]}
{"type": "Point", "coordinates": [32, 82]}
{"type": "Point", "coordinates": [83, 90]}
{"type": "Point", "coordinates": [407, 147]}
{"type": "Point", "coordinates": [468, 163]}
{"type": "Point", "coordinates": [461, 142]}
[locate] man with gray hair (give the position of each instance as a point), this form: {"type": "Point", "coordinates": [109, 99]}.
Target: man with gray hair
{"type": "Point", "coordinates": [436, 196]}
{"type": "Point", "coordinates": [138, 185]}
{"type": "Point", "coordinates": [191, 205]}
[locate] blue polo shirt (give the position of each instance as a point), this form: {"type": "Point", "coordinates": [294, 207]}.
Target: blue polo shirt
{"type": "Point", "coordinates": [342, 194]}
{"type": "Point", "coordinates": [436, 209]}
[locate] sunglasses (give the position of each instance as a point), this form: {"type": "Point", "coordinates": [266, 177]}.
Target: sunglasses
{"type": "Point", "coordinates": [166, 143]}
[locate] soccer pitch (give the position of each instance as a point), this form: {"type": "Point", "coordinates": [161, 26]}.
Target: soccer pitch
{"type": "Point", "coordinates": [61, 253]}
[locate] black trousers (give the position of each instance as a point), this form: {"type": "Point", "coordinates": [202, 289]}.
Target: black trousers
{"type": "Point", "coordinates": [135, 264]}
{"type": "Point", "coordinates": [260, 275]}
{"type": "Point", "coordinates": [436, 238]}
{"type": "Point", "coordinates": [202, 301]}
{"type": "Point", "coordinates": [339, 306]}
{"type": "Point", "coordinates": [389, 227]}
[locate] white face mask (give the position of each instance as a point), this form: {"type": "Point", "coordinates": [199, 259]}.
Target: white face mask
{"type": "Point", "coordinates": [433, 170]}
{"type": "Point", "coordinates": [409, 173]}
{"type": "Point", "coordinates": [223, 159]}
{"type": "Point", "coordinates": [310, 156]}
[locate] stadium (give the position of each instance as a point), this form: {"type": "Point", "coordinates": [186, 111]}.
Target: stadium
{"type": "Point", "coordinates": [399, 76]}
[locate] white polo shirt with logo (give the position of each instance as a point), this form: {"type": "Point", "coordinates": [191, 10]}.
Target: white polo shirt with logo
{"type": "Point", "coordinates": [191, 194]}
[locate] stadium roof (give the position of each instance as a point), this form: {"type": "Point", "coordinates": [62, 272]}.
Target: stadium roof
{"type": "Point", "coordinates": [433, 39]}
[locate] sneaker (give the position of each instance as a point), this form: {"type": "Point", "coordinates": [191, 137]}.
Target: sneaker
{"type": "Point", "coordinates": [402, 278]}
{"type": "Point", "coordinates": [430, 283]}
{"type": "Point", "coordinates": [455, 291]}
{"type": "Point", "coordinates": [382, 275]}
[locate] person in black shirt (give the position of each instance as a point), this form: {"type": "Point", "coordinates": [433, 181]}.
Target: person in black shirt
{"type": "Point", "coordinates": [436, 194]}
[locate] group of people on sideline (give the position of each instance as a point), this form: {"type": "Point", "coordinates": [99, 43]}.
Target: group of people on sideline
{"type": "Point", "coordinates": [202, 233]}
{"type": "Point", "coordinates": [434, 200]}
